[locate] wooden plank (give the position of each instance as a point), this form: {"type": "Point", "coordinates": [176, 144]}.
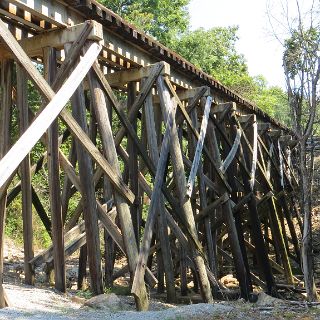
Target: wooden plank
{"type": "Point", "coordinates": [226, 163]}
{"type": "Point", "coordinates": [22, 103]}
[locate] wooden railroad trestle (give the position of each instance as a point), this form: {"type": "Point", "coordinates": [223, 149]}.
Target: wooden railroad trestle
{"type": "Point", "coordinates": [213, 172]}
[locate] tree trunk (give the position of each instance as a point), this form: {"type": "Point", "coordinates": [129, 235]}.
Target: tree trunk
{"type": "Point", "coordinates": [307, 252]}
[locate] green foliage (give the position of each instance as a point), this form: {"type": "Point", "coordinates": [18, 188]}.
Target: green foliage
{"type": "Point", "coordinates": [301, 61]}
{"type": "Point", "coordinates": [213, 51]}
{"type": "Point", "coordinates": [301, 52]}
{"type": "Point", "coordinates": [163, 19]}
{"type": "Point", "coordinates": [14, 226]}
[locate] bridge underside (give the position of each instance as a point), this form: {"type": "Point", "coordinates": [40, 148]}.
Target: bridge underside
{"type": "Point", "coordinates": [186, 178]}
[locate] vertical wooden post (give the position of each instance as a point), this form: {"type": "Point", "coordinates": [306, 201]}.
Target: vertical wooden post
{"type": "Point", "coordinates": [109, 244]}
{"type": "Point", "coordinates": [231, 173]}
{"type": "Point", "coordinates": [5, 111]}
{"type": "Point", "coordinates": [100, 106]}
{"type": "Point", "coordinates": [162, 223]}
{"type": "Point", "coordinates": [179, 173]}
{"type": "Point", "coordinates": [82, 270]}
{"type": "Point", "coordinates": [22, 103]}
{"type": "Point", "coordinates": [50, 66]}
{"type": "Point", "coordinates": [133, 166]}
{"type": "Point", "coordinates": [202, 191]}
{"type": "Point", "coordinates": [88, 193]}
{"type": "Point", "coordinates": [229, 219]}
{"type": "Point", "coordinates": [261, 252]}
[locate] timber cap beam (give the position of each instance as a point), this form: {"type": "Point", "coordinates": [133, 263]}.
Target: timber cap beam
{"type": "Point", "coordinates": [57, 38]}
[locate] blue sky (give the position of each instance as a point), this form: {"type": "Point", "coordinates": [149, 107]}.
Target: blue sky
{"type": "Point", "coordinates": [262, 52]}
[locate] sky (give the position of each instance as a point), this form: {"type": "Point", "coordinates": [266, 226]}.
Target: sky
{"type": "Point", "coordinates": [261, 50]}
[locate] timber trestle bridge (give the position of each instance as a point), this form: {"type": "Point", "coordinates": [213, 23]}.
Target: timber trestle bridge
{"type": "Point", "coordinates": [186, 178]}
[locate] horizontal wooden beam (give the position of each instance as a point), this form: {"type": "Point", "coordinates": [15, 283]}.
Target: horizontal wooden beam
{"type": "Point", "coordinates": [57, 38]}
{"type": "Point", "coordinates": [121, 78]}
{"type": "Point", "coordinates": [190, 93]}
{"type": "Point", "coordinates": [221, 107]}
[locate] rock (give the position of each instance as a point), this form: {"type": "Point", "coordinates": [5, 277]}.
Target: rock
{"type": "Point", "coordinates": [109, 302]}
{"type": "Point", "coordinates": [78, 300]}
{"type": "Point", "coordinates": [266, 300]}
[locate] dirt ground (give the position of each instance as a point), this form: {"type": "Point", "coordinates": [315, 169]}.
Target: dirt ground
{"type": "Point", "coordinates": [43, 302]}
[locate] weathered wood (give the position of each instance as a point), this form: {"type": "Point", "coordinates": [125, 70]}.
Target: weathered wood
{"type": "Point", "coordinates": [179, 172]}
{"type": "Point", "coordinates": [88, 193]}
{"type": "Point", "coordinates": [162, 223]}
{"type": "Point", "coordinates": [23, 146]}
{"type": "Point", "coordinates": [99, 103]}
{"type": "Point", "coordinates": [123, 77]}
{"type": "Point", "coordinates": [22, 103]}
{"type": "Point", "coordinates": [5, 117]}
{"type": "Point", "coordinates": [82, 268]}
{"type": "Point", "coordinates": [56, 38]}
{"type": "Point", "coordinates": [224, 166]}
{"type": "Point", "coordinates": [261, 252]}
{"type": "Point", "coordinates": [232, 231]}
{"type": "Point", "coordinates": [65, 93]}
{"type": "Point", "coordinates": [133, 167]}
{"type": "Point", "coordinates": [66, 189]}
{"type": "Point", "coordinates": [50, 66]}
{"type": "Point", "coordinates": [198, 151]}
{"type": "Point", "coordinates": [155, 198]}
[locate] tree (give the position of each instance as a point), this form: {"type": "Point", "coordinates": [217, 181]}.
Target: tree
{"type": "Point", "coordinates": [301, 62]}
{"type": "Point", "coordinates": [163, 19]}
{"type": "Point", "coordinates": [302, 68]}
{"type": "Point", "coordinates": [214, 51]}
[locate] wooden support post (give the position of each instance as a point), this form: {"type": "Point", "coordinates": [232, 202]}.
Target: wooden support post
{"type": "Point", "coordinates": [66, 189]}
{"type": "Point", "coordinates": [205, 104]}
{"type": "Point", "coordinates": [50, 66]}
{"type": "Point", "coordinates": [133, 167]}
{"type": "Point", "coordinates": [109, 244]}
{"type": "Point", "coordinates": [88, 193]}
{"type": "Point", "coordinates": [162, 223]}
{"type": "Point", "coordinates": [232, 172]}
{"type": "Point", "coordinates": [262, 255]}
{"type": "Point", "coordinates": [22, 103]}
{"type": "Point", "coordinates": [183, 271]}
{"type": "Point", "coordinates": [100, 107]}
{"type": "Point", "coordinates": [232, 231]}
{"type": "Point", "coordinates": [5, 117]}
{"type": "Point", "coordinates": [179, 172]}
{"type": "Point", "coordinates": [82, 269]}
{"type": "Point", "coordinates": [155, 198]}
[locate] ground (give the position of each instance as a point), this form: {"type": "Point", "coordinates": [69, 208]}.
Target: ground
{"type": "Point", "coordinates": [42, 302]}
